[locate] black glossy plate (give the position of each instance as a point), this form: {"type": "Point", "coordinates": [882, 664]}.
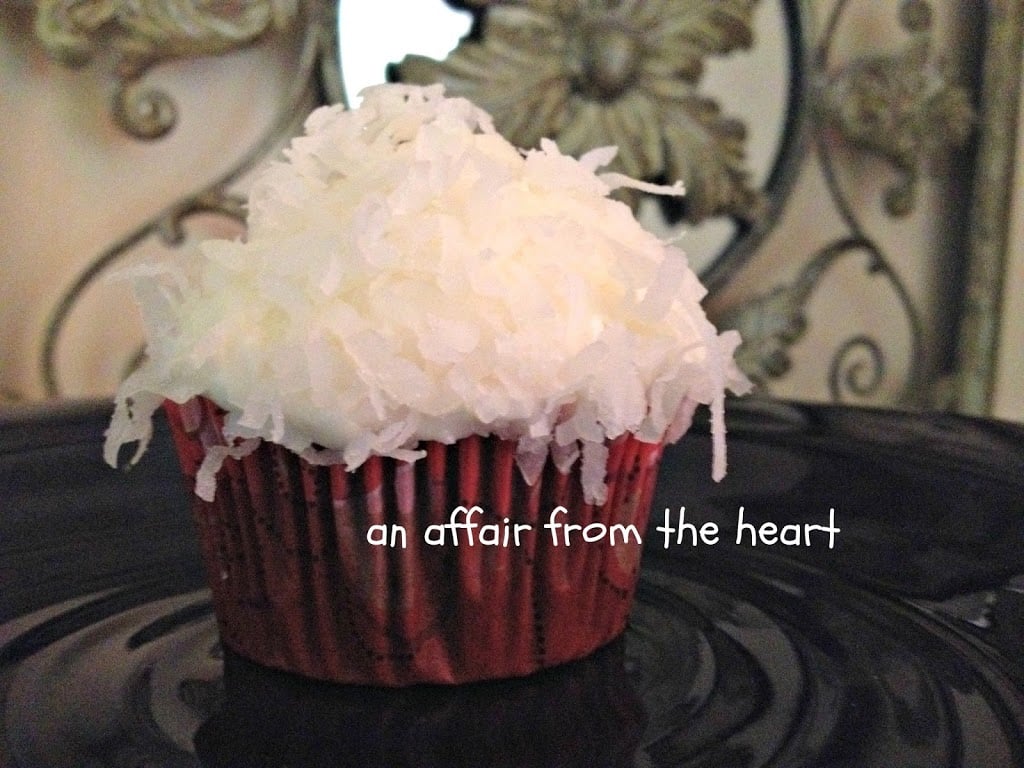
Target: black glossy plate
{"type": "Point", "coordinates": [902, 645]}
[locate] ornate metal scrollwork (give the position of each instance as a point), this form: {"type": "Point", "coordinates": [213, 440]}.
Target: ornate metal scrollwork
{"type": "Point", "coordinates": [773, 322]}
{"type": "Point", "coordinates": [138, 36]}
{"type": "Point", "coordinates": [900, 107]}
{"type": "Point", "coordinates": [625, 73]}
{"type": "Point", "coordinates": [169, 227]}
{"type": "Point", "coordinates": [143, 34]}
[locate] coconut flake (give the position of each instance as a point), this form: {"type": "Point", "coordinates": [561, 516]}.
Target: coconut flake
{"type": "Point", "coordinates": [531, 455]}
{"type": "Point", "coordinates": [598, 157]}
{"type": "Point", "coordinates": [592, 472]}
{"type": "Point", "coordinates": [682, 421]}
{"type": "Point", "coordinates": [131, 423]}
{"type": "Point", "coordinates": [216, 455]}
{"type": "Point", "coordinates": [618, 180]}
{"type": "Point", "coordinates": [410, 276]}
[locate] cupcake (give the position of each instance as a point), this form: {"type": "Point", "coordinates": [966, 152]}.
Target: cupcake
{"type": "Point", "coordinates": [422, 404]}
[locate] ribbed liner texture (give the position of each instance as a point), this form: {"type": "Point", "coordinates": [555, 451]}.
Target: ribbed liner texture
{"type": "Point", "coordinates": [297, 585]}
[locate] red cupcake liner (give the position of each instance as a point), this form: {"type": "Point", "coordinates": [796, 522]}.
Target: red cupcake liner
{"type": "Point", "coordinates": [297, 586]}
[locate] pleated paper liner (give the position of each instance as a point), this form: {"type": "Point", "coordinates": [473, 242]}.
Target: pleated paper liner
{"type": "Point", "coordinates": [344, 576]}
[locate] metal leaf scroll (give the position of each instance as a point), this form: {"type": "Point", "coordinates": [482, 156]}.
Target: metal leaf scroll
{"type": "Point", "coordinates": [901, 107]}
{"type": "Point", "coordinates": [138, 35]}
{"type": "Point", "coordinates": [592, 73]}
{"type": "Point", "coordinates": [771, 323]}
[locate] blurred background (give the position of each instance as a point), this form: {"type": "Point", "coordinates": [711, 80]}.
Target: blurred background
{"type": "Point", "coordinates": [854, 202]}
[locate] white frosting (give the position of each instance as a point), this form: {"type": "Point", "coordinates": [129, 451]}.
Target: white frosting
{"type": "Point", "coordinates": [409, 275]}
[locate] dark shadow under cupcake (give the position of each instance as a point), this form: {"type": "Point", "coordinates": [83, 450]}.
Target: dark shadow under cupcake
{"type": "Point", "coordinates": [585, 713]}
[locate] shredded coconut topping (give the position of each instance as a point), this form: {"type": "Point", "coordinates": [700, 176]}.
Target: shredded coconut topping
{"type": "Point", "coordinates": [409, 275]}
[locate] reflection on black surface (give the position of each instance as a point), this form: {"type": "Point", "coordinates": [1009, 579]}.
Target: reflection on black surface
{"type": "Point", "coordinates": [581, 714]}
{"type": "Point", "coordinates": [903, 647]}
{"type": "Point", "coordinates": [730, 661]}
{"type": "Point", "coordinates": [789, 667]}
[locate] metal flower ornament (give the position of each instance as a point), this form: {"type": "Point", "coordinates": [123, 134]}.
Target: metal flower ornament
{"type": "Point", "coordinates": [135, 36]}
{"type": "Point", "coordinates": [591, 73]}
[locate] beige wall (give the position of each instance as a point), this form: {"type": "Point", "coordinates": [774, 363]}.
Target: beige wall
{"type": "Point", "coordinates": [1009, 392]}
{"type": "Point", "coordinates": [71, 183]}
